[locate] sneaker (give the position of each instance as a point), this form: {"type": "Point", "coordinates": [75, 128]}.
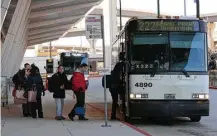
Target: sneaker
{"type": "Point", "coordinates": [71, 118]}
{"type": "Point", "coordinates": [83, 118]}
{"type": "Point", "coordinates": [58, 118]}
{"type": "Point", "coordinates": [25, 115]}
{"type": "Point", "coordinates": [63, 118]}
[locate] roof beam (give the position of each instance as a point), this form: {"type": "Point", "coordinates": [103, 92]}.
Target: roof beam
{"type": "Point", "coordinates": [40, 4]}
{"type": "Point", "coordinates": [212, 18]}
{"type": "Point", "coordinates": [58, 28]}
{"type": "Point", "coordinates": [126, 12]}
{"type": "Point", "coordinates": [76, 33]}
{"type": "Point", "coordinates": [45, 35]}
{"type": "Point", "coordinates": [55, 21]}
{"type": "Point", "coordinates": [41, 40]}
{"type": "Point", "coordinates": [44, 41]}
{"type": "Point", "coordinates": [3, 32]}
{"type": "Point", "coordinates": [60, 10]}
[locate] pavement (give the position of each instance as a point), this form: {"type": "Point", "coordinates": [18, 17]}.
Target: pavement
{"type": "Point", "coordinates": [13, 124]}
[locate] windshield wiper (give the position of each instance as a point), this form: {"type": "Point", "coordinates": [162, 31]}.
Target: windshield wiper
{"type": "Point", "coordinates": [185, 72]}
{"type": "Point", "coordinates": [154, 69]}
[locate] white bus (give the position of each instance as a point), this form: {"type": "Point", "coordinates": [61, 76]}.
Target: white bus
{"type": "Point", "coordinates": [165, 67]}
{"type": "Point", "coordinates": [70, 61]}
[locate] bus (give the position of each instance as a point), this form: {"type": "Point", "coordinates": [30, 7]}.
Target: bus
{"type": "Point", "coordinates": [165, 67]}
{"type": "Point", "coordinates": [70, 61]}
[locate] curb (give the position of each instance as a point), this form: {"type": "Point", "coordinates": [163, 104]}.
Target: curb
{"type": "Point", "coordinates": [125, 123]}
{"type": "Point", "coordinates": [212, 87]}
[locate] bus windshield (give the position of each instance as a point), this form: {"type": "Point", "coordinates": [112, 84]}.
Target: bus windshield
{"type": "Point", "coordinates": [173, 51]}
{"type": "Point", "coordinates": [188, 51]}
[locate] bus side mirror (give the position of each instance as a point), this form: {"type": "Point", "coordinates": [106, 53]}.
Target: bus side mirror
{"type": "Point", "coordinates": [122, 56]}
{"type": "Point", "coordinates": [45, 67]}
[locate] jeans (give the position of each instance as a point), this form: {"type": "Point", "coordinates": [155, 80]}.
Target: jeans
{"type": "Point", "coordinates": [59, 106]}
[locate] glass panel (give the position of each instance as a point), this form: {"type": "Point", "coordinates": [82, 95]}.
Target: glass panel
{"type": "Point", "coordinates": [188, 51]}
{"type": "Point", "coordinates": [148, 49]}
{"type": "Point", "coordinates": [157, 38]}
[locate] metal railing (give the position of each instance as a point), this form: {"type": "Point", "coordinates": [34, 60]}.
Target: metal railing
{"type": "Point", "coordinates": [6, 90]}
{"type": "Point", "coordinates": [213, 78]}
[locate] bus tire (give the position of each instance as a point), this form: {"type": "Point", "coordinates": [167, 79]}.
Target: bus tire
{"type": "Point", "coordinates": [195, 118]}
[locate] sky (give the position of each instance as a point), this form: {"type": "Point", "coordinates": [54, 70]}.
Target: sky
{"type": "Point", "coordinates": [172, 7]}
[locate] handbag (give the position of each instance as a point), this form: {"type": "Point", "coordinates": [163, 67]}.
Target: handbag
{"type": "Point", "coordinates": [32, 95]}
{"type": "Point", "coordinates": [19, 101]}
{"type": "Point", "coordinates": [20, 94]}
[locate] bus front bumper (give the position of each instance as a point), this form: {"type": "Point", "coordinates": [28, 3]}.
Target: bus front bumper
{"type": "Point", "coordinates": [168, 108]}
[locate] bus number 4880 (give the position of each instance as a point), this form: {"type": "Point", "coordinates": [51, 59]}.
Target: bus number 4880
{"type": "Point", "coordinates": [141, 84]}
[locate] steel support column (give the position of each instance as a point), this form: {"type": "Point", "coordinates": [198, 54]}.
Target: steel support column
{"type": "Point", "coordinates": [21, 39]}
{"type": "Point", "coordinates": [4, 8]}
{"type": "Point", "coordinates": [13, 37]}
{"type": "Point", "coordinates": [110, 27]}
{"type": "Point", "coordinates": [20, 51]}
{"type": "Point", "coordinates": [210, 32]}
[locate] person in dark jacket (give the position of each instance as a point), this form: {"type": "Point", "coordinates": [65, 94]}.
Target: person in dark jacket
{"type": "Point", "coordinates": [35, 80]}
{"type": "Point", "coordinates": [79, 87]}
{"type": "Point", "coordinates": [59, 81]}
{"type": "Point", "coordinates": [20, 81]}
{"type": "Point", "coordinates": [212, 63]}
{"type": "Point", "coordinates": [116, 87]}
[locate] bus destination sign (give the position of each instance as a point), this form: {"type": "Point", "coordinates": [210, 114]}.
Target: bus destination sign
{"type": "Point", "coordinates": [167, 25]}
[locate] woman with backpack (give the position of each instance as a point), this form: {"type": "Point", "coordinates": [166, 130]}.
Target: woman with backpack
{"type": "Point", "coordinates": [57, 85]}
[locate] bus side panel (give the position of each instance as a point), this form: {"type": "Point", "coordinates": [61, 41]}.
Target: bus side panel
{"type": "Point", "coordinates": [157, 106]}
{"type": "Point", "coordinates": [181, 86]}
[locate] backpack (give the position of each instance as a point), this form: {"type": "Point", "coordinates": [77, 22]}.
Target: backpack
{"type": "Point", "coordinates": [108, 81]}
{"type": "Point", "coordinates": [50, 83]}
{"type": "Point", "coordinates": [69, 85]}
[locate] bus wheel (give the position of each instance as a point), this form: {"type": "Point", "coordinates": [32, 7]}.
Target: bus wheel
{"type": "Point", "coordinates": [195, 118]}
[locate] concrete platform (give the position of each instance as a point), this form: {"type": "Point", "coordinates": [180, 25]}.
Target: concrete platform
{"type": "Point", "coordinates": [13, 124]}
{"type": "Point", "coordinates": [18, 126]}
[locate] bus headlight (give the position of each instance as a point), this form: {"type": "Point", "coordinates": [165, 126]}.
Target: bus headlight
{"type": "Point", "coordinates": [132, 96]}
{"type": "Point", "coordinates": [200, 96]}
{"type": "Point", "coordinates": [138, 96]}
{"type": "Point", "coordinates": [206, 96]}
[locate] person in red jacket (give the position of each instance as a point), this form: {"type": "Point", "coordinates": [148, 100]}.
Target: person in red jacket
{"type": "Point", "coordinates": [79, 87]}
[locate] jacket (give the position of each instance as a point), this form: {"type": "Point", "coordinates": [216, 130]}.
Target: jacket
{"type": "Point", "coordinates": [19, 79]}
{"type": "Point", "coordinates": [58, 80]}
{"type": "Point", "coordinates": [116, 80]}
{"type": "Point", "coordinates": [38, 82]}
{"type": "Point", "coordinates": [78, 81]}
